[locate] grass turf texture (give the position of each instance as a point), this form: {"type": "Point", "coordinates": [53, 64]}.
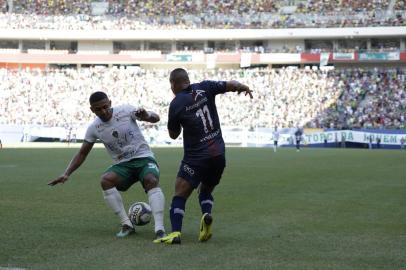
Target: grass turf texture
{"type": "Point", "coordinates": [316, 209]}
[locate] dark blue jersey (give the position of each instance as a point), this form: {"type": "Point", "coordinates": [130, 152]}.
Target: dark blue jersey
{"type": "Point", "coordinates": [194, 109]}
{"type": "Point", "coordinates": [298, 134]}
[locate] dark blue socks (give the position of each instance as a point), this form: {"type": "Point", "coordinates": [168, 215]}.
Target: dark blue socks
{"type": "Point", "coordinates": [206, 202]}
{"type": "Point", "coordinates": [177, 212]}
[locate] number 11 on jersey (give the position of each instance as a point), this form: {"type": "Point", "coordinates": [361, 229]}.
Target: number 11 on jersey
{"type": "Point", "coordinates": [203, 114]}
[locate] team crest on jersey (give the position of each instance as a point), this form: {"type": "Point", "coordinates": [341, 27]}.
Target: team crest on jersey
{"type": "Point", "coordinates": [197, 93]}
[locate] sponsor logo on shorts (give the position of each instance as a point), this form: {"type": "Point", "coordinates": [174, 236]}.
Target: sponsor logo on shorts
{"type": "Point", "coordinates": [153, 166]}
{"type": "Point", "coordinates": [189, 170]}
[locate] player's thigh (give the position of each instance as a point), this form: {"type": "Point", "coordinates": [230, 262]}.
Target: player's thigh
{"type": "Point", "coordinates": [214, 171]}
{"type": "Point", "coordinates": [183, 188]}
{"type": "Point", "coordinates": [109, 179]}
{"type": "Point", "coordinates": [207, 172]}
{"type": "Point", "coordinates": [126, 175]}
{"type": "Point", "coordinates": [149, 174]}
{"type": "Point", "coordinates": [190, 173]}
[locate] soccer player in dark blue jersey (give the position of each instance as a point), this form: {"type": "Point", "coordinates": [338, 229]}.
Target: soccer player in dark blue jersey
{"type": "Point", "coordinates": [194, 110]}
{"type": "Point", "coordinates": [298, 137]}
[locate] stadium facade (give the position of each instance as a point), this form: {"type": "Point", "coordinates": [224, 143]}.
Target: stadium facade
{"type": "Point", "coordinates": [209, 48]}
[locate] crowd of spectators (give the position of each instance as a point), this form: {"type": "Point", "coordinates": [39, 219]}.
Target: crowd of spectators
{"type": "Point", "coordinates": [369, 99]}
{"type": "Point", "coordinates": [287, 97]}
{"type": "Point", "coordinates": [342, 5]}
{"type": "Point", "coordinates": [149, 14]}
{"type": "Point", "coordinates": [174, 7]}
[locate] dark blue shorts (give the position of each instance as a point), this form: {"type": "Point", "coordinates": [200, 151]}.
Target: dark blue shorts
{"type": "Point", "coordinates": [206, 171]}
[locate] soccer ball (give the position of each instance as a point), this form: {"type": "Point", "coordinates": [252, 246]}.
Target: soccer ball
{"type": "Point", "coordinates": [139, 213]}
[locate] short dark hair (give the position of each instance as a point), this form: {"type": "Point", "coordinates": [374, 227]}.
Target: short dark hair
{"type": "Point", "coordinates": [179, 75]}
{"type": "Point", "coordinates": [97, 96]}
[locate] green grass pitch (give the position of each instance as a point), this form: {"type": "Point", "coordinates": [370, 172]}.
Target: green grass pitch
{"type": "Point", "coordinates": [316, 209]}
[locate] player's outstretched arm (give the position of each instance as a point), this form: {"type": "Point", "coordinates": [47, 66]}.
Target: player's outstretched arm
{"type": "Point", "coordinates": [75, 163]}
{"type": "Point", "coordinates": [147, 116]}
{"type": "Point", "coordinates": [234, 86]}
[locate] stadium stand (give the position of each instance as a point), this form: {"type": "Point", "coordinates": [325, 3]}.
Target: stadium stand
{"type": "Point", "coordinates": [149, 14]}
{"type": "Point", "coordinates": [366, 89]}
{"type": "Point", "coordinates": [346, 98]}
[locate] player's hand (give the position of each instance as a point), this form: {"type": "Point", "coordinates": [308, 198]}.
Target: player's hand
{"type": "Point", "coordinates": [141, 114]}
{"type": "Point", "coordinates": [60, 180]}
{"type": "Point", "coordinates": [242, 88]}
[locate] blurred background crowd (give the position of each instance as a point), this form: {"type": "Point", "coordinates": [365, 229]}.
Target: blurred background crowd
{"type": "Point", "coordinates": [170, 14]}
{"type": "Point", "coordinates": [287, 97]}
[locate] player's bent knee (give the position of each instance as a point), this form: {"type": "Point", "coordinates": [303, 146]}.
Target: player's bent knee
{"type": "Point", "coordinates": [150, 182]}
{"type": "Point", "coordinates": [207, 188]}
{"type": "Point", "coordinates": [183, 188]}
{"type": "Point", "coordinates": [105, 184]}
{"type": "Point", "coordinates": [108, 182]}
{"type": "Point", "coordinates": [122, 188]}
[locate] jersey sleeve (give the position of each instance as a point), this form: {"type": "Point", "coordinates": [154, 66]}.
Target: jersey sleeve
{"type": "Point", "coordinates": [215, 87]}
{"type": "Point", "coordinates": [130, 110]}
{"type": "Point", "coordinates": [173, 118]}
{"type": "Point", "coordinates": [90, 135]}
{"type": "Point", "coordinates": [129, 107]}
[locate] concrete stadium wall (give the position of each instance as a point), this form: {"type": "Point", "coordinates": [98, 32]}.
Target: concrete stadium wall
{"type": "Point", "coordinates": [206, 34]}
{"type": "Point", "coordinates": [87, 46]}
{"type": "Point", "coordinates": [288, 43]}
{"type": "Point", "coordinates": [11, 133]}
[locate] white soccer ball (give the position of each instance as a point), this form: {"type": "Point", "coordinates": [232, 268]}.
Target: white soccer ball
{"type": "Point", "coordinates": [139, 213]}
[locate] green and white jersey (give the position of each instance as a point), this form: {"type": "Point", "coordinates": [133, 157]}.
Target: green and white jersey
{"type": "Point", "coordinates": [120, 135]}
